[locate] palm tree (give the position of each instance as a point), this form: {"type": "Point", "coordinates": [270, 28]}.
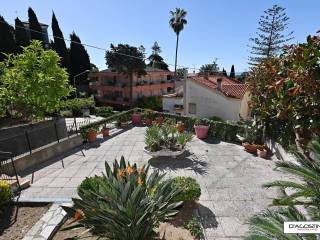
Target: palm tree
{"type": "Point", "coordinates": [307, 191]}
{"type": "Point", "coordinates": [177, 22]}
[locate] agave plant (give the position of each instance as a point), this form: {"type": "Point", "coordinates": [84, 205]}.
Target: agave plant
{"type": "Point", "coordinates": [126, 203]}
{"type": "Point", "coordinates": [307, 191]}
{"type": "Point", "coordinates": [269, 225]}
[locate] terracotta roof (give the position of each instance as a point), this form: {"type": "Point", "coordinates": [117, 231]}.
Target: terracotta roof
{"type": "Point", "coordinates": [234, 90]}
{"type": "Point", "coordinates": [230, 87]}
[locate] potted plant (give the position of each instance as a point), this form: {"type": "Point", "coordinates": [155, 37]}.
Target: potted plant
{"type": "Point", "coordinates": [148, 117]}
{"type": "Point", "coordinates": [91, 134]}
{"type": "Point", "coordinates": [180, 126]}
{"type": "Point", "coordinates": [262, 151]}
{"type": "Point", "coordinates": [201, 129]}
{"type": "Point", "coordinates": [165, 140]}
{"type": "Point", "coordinates": [105, 131]}
{"type": "Point", "coordinates": [253, 138]}
{"type": "Point", "coordinates": [159, 120]}
{"type": "Point", "coordinates": [136, 118]}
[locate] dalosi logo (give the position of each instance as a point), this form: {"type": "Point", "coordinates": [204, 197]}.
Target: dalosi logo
{"type": "Point", "coordinates": [301, 227]}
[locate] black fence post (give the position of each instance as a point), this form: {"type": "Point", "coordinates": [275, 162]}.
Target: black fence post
{"type": "Point", "coordinates": [75, 124]}
{"type": "Point", "coordinates": [56, 131]}
{"type": "Point", "coordinates": [28, 141]}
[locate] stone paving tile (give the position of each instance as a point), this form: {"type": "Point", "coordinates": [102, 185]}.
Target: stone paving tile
{"type": "Point", "coordinates": [230, 178]}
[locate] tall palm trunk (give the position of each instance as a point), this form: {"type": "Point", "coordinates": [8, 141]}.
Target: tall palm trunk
{"type": "Point", "coordinates": [175, 64]}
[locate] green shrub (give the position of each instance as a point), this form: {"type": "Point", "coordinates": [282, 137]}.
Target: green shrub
{"type": "Point", "coordinates": [194, 226]}
{"type": "Point", "coordinates": [189, 189]}
{"type": "Point", "coordinates": [66, 114]}
{"type": "Point", "coordinates": [5, 192]}
{"type": "Point", "coordinates": [153, 103]}
{"type": "Point", "coordinates": [77, 104]}
{"type": "Point", "coordinates": [217, 119]}
{"type": "Point", "coordinates": [104, 111]}
{"type": "Point", "coordinates": [126, 203]}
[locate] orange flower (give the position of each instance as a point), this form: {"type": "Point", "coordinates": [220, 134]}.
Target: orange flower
{"type": "Point", "coordinates": [121, 172]}
{"type": "Point", "coordinates": [139, 181]}
{"type": "Point", "coordinates": [129, 169]}
{"type": "Point", "coordinates": [141, 170]}
{"type": "Point", "coordinates": [78, 215]}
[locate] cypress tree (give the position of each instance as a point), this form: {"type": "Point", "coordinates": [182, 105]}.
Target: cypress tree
{"type": "Point", "coordinates": [224, 72]}
{"type": "Point", "coordinates": [270, 36]}
{"type": "Point", "coordinates": [79, 59]}
{"type": "Point", "coordinates": [59, 44]}
{"type": "Point", "coordinates": [35, 27]}
{"type": "Point", "coordinates": [232, 72]}
{"type": "Point", "coordinates": [7, 42]}
{"type": "Point", "coordinates": [21, 35]}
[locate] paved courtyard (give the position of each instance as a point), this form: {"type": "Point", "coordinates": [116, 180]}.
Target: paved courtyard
{"type": "Point", "coordinates": [230, 178]}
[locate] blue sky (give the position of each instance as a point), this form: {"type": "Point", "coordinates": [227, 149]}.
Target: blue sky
{"type": "Point", "coordinates": [216, 28]}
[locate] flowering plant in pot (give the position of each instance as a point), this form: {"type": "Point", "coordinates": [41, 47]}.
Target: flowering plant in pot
{"type": "Point", "coordinates": [92, 134]}
{"type": "Point", "coordinates": [136, 118]}
{"type": "Point", "coordinates": [105, 131]}
{"type": "Point", "coordinates": [159, 120]}
{"type": "Point", "coordinates": [180, 126]}
{"type": "Point", "coordinates": [149, 115]}
{"type": "Point", "coordinates": [253, 139]}
{"type": "Point", "coordinates": [201, 129]}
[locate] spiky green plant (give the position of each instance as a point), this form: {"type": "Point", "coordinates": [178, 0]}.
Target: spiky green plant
{"type": "Point", "coordinates": [269, 225]}
{"type": "Point", "coordinates": [305, 192]}
{"type": "Point", "coordinates": [126, 203]}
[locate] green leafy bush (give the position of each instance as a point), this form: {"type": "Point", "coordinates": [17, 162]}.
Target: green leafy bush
{"type": "Point", "coordinates": [217, 119]}
{"type": "Point", "coordinates": [66, 114]}
{"type": "Point", "coordinates": [126, 203]}
{"type": "Point", "coordinates": [77, 104]}
{"type": "Point", "coordinates": [32, 83]}
{"type": "Point", "coordinates": [189, 189]}
{"type": "Point", "coordinates": [104, 111]}
{"type": "Point", "coordinates": [153, 102]}
{"type": "Point", "coordinates": [194, 226]}
{"type": "Point", "coordinates": [5, 192]}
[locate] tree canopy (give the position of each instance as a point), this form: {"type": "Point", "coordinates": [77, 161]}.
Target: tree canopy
{"type": "Point", "coordinates": [285, 93]}
{"type": "Point", "coordinates": [59, 44]}
{"type": "Point", "coordinates": [271, 35]}
{"type": "Point", "coordinates": [79, 58]}
{"type": "Point", "coordinates": [155, 60]}
{"type": "Point", "coordinates": [21, 35]}
{"type": "Point", "coordinates": [209, 69]}
{"type": "Point", "coordinates": [35, 27]}
{"type": "Point", "coordinates": [7, 42]}
{"type": "Point", "coordinates": [32, 83]}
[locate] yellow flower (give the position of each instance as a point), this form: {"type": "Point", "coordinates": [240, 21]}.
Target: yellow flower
{"type": "Point", "coordinates": [141, 170]}
{"type": "Point", "coordinates": [139, 181]}
{"type": "Point", "coordinates": [121, 172]}
{"type": "Point", "coordinates": [129, 169]}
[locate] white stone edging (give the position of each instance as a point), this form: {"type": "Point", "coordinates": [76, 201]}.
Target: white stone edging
{"type": "Point", "coordinates": [50, 222]}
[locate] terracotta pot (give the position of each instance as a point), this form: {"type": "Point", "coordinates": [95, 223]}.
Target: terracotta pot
{"type": "Point", "coordinates": [262, 153]}
{"type": "Point", "coordinates": [201, 131]}
{"type": "Point", "coordinates": [159, 120]}
{"type": "Point", "coordinates": [136, 118]}
{"type": "Point", "coordinates": [92, 136]}
{"type": "Point", "coordinates": [251, 148]}
{"type": "Point", "coordinates": [148, 121]}
{"type": "Point", "coordinates": [180, 127]}
{"type": "Point", "coordinates": [105, 132]}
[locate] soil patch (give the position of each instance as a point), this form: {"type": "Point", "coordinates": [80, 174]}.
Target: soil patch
{"type": "Point", "coordinates": [172, 230]}
{"type": "Point", "coordinates": [17, 219]}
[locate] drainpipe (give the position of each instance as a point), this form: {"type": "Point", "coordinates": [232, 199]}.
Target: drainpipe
{"type": "Point", "coordinates": [185, 72]}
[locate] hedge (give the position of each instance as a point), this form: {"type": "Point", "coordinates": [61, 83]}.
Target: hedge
{"type": "Point", "coordinates": [225, 131]}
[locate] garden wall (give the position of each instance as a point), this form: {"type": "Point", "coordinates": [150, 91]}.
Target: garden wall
{"type": "Point", "coordinates": [27, 137]}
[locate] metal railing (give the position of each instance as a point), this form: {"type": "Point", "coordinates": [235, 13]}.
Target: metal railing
{"type": "Point", "coordinates": [7, 169]}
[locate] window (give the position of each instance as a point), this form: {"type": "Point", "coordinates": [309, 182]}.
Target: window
{"type": "Point", "coordinates": [192, 108]}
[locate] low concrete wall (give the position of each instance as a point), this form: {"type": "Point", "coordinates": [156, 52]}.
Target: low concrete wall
{"type": "Point", "coordinates": [40, 155]}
